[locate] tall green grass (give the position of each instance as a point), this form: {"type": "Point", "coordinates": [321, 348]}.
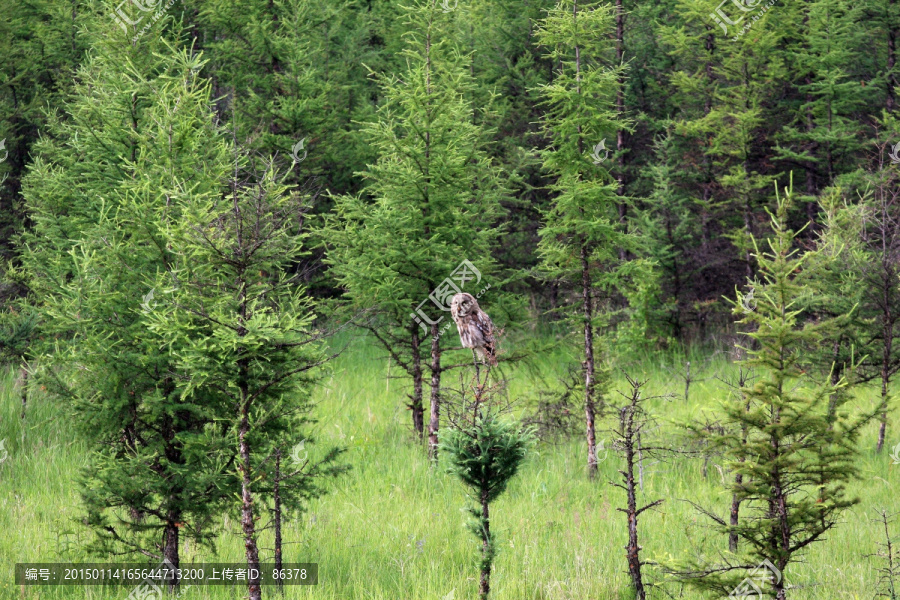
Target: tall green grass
{"type": "Point", "coordinates": [393, 527]}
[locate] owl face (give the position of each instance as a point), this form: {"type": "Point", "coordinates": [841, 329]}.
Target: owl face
{"type": "Point", "coordinates": [462, 304]}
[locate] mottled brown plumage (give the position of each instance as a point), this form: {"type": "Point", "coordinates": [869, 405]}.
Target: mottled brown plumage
{"type": "Point", "coordinates": [476, 331]}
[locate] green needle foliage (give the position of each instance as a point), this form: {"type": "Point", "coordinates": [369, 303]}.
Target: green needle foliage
{"type": "Point", "coordinates": [792, 442]}
{"type": "Point", "coordinates": [485, 452]}
{"type": "Point", "coordinates": [583, 242]}
{"type": "Point", "coordinates": [136, 141]}
{"type": "Point", "coordinates": [240, 326]}
{"type": "Point", "coordinates": [431, 200]}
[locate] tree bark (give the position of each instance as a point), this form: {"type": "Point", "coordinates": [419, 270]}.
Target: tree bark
{"type": "Point", "coordinates": [589, 409]}
{"type": "Point", "coordinates": [632, 550]}
{"type": "Point", "coordinates": [434, 422]}
{"type": "Point", "coordinates": [891, 58]}
{"type": "Point", "coordinates": [888, 333]}
{"type": "Point", "coordinates": [170, 546]}
{"type": "Point", "coordinates": [484, 587]}
{"type": "Point", "coordinates": [173, 454]}
{"type": "Point", "coordinates": [248, 525]}
{"type": "Point", "coordinates": [276, 497]}
{"type": "Point", "coordinates": [418, 411]}
{"type": "Point", "coordinates": [812, 211]}
{"type": "Point", "coordinates": [620, 114]}
{"type": "Point", "coordinates": [734, 517]}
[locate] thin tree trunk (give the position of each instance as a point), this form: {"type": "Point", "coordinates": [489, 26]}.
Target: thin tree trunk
{"type": "Point", "coordinates": [172, 453]}
{"type": "Point", "coordinates": [891, 58]}
{"type": "Point", "coordinates": [170, 546]}
{"type": "Point", "coordinates": [632, 550]}
{"type": "Point", "coordinates": [888, 333]}
{"type": "Point", "coordinates": [276, 496]}
{"type": "Point", "coordinates": [484, 587]}
{"type": "Point", "coordinates": [434, 422]}
{"type": "Point", "coordinates": [811, 186]}
{"type": "Point", "coordinates": [588, 362]}
{"type": "Point", "coordinates": [734, 517]}
{"type": "Point", "coordinates": [640, 454]}
{"type": "Point", "coordinates": [248, 525]}
{"type": "Point", "coordinates": [418, 411]}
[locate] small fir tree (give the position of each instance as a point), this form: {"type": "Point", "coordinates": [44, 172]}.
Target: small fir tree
{"type": "Point", "coordinates": [111, 175]}
{"type": "Point", "coordinates": [485, 451]}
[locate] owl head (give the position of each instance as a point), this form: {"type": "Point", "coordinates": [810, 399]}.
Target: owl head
{"type": "Point", "coordinates": [462, 304]}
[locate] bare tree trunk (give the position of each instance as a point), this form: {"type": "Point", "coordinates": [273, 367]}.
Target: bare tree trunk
{"type": "Point", "coordinates": [812, 211]}
{"type": "Point", "coordinates": [248, 525]}
{"type": "Point", "coordinates": [888, 333]}
{"type": "Point", "coordinates": [170, 546]}
{"type": "Point", "coordinates": [890, 571]}
{"type": "Point", "coordinates": [418, 411]}
{"type": "Point", "coordinates": [172, 453]}
{"type": "Point", "coordinates": [632, 550]}
{"type": "Point", "coordinates": [588, 362]}
{"type": "Point", "coordinates": [640, 455]}
{"type": "Point", "coordinates": [434, 422]}
{"type": "Point", "coordinates": [705, 217]}
{"type": "Point", "coordinates": [484, 587]}
{"type": "Point", "coordinates": [276, 496]}
{"type": "Point", "coordinates": [734, 517]}
{"type": "Point", "coordinates": [687, 381]}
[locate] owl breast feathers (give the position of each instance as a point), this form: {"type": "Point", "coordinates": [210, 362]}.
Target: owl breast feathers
{"type": "Point", "coordinates": [476, 331]}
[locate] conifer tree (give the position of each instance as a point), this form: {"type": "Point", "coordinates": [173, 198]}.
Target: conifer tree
{"type": "Point", "coordinates": [865, 239]}
{"type": "Point", "coordinates": [485, 451]}
{"type": "Point", "coordinates": [242, 325]}
{"type": "Point", "coordinates": [581, 237]}
{"type": "Point", "coordinates": [430, 201]}
{"type": "Point", "coordinates": [291, 80]}
{"type": "Point", "coordinates": [42, 44]}
{"type": "Point", "coordinates": [796, 456]}
{"type": "Point", "coordinates": [111, 175]}
{"type": "Point", "coordinates": [824, 42]}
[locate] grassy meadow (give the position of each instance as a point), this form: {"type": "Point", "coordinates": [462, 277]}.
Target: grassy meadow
{"type": "Point", "coordinates": [393, 527]}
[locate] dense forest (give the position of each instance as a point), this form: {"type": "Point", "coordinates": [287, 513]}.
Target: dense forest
{"type": "Point", "coordinates": [206, 205]}
{"type": "Point", "coordinates": [695, 127]}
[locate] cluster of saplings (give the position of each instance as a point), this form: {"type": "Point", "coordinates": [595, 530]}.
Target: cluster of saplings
{"type": "Point", "coordinates": [165, 261]}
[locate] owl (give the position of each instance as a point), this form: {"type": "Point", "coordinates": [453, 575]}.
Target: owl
{"type": "Point", "coordinates": [476, 331]}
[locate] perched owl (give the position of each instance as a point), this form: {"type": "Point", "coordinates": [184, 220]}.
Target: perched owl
{"type": "Point", "coordinates": [476, 331]}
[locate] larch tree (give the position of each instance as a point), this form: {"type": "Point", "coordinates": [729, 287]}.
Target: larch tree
{"type": "Point", "coordinates": [822, 136]}
{"type": "Point", "coordinates": [242, 326]}
{"type": "Point", "coordinates": [485, 451]}
{"type": "Point", "coordinates": [136, 138]}
{"type": "Point", "coordinates": [582, 235]}
{"type": "Point", "coordinates": [430, 202]}
{"type": "Point", "coordinates": [290, 80]}
{"type": "Point", "coordinates": [795, 453]}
